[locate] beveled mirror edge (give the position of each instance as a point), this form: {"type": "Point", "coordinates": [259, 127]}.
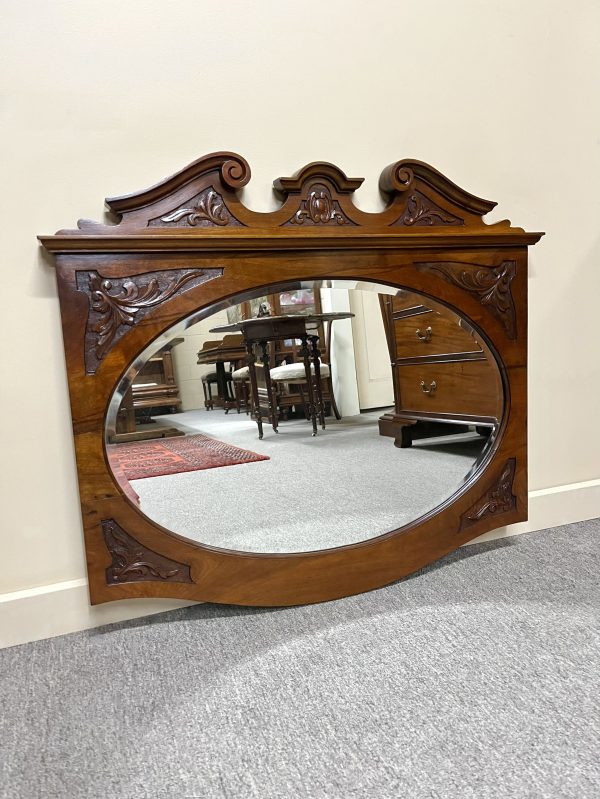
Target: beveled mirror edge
{"type": "Point", "coordinates": [129, 557]}
{"type": "Point", "coordinates": [177, 329]}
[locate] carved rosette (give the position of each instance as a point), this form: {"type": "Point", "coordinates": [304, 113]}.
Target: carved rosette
{"type": "Point", "coordinates": [490, 283]}
{"type": "Point", "coordinates": [319, 208]}
{"type": "Point", "coordinates": [421, 211]}
{"type": "Point", "coordinates": [498, 499]}
{"type": "Point", "coordinates": [134, 563]}
{"type": "Point", "coordinates": [116, 305]}
{"type": "Point", "coordinates": [206, 209]}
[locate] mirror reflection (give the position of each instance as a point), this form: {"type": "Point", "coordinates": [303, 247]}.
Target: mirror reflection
{"type": "Point", "coordinates": [312, 415]}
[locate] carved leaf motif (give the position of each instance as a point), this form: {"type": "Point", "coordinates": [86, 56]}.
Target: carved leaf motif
{"type": "Point", "coordinates": [116, 305]}
{"type": "Point", "coordinates": [421, 211]}
{"type": "Point", "coordinates": [492, 284]}
{"type": "Point", "coordinates": [498, 499]}
{"type": "Point", "coordinates": [121, 308]}
{"type": "Point", "coordinates": [319, 208]}
{"type": "Point", "coordinates": [209, 206]}
{"type": "Point", "coordinates": [132, 562]}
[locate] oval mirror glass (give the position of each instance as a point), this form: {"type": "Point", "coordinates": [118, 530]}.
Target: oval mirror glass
{"type": "Point", "coordinates": [304, 417]}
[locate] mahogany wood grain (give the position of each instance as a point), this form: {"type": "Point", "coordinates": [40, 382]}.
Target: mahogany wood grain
{"type": "Point", "coordinates": [432, 334]}
{"type": "Point", "coordinates": [461, 387]}
{"type": "Point", "coordinates": [189, 243]}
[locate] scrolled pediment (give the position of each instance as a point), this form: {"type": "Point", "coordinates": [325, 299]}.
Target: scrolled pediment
{"type": "Point", "coordinates": [199, 208]}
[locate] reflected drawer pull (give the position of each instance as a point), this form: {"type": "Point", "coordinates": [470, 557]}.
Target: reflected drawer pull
{"type": "Point", "coordinates": [428, 389]}
{"type": "Point", "coordinates": [426, 336]}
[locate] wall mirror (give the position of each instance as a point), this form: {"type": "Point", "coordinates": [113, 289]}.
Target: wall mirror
{"type": "Point", "coordinates": [292, 490]}
{"type": "Point", "coordinates": [290, 407]}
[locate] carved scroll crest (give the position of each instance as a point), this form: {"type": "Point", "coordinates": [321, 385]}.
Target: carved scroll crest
{"type": "Point", "coordinates": [498, 499]}
{"type": "Point", "coordinates": [490, 283]}
{"type": "Point", "coordinates": [206, 209]}
{"type": "Point", "coordinates": [319, 208]}
{"type": "Point", "coordinates": [116, 305]}
{"type": "Point", "coordinates": [133, 563]}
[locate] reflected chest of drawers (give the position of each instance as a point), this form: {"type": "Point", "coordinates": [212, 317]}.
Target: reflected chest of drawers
{"type": "Point", "coordinates": [442, 371]}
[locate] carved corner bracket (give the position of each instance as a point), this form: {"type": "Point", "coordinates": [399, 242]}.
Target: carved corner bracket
{"type": "Point", "coordinates": [134, 563]}
{"type": "Point", "coordinates": [118, 304]}
{"type": "Point", "coordinates": [492, 284]}
{"type": "Point", "coordinates": [499, 498]}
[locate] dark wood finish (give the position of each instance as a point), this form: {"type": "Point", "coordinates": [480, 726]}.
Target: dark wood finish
{"type": "Point", "coordinates": [227, 349]}
{"type": "Point", "coordinates": [317, 234]}
{"type": "Point", "coordinates": [258, 333]}
{"type": "Point", "coordinates": [154, 388]}
{"type": "Point", "coordinates": [463, 387]}
{"type": "Point", "coordinates": [431, 334]}
{"type": "Point", "coordinates": [155, 385]}
{"type": "Point", "coordinates": [441, 368]}
{"type": "Point", "coordinates": [292, 395]}
{"type": "Point", "coordinates": [230, 350]}
{"type": "Point", "coordinates": [132, 563]}
{"type": "Point", "coordinates": [499, 498]}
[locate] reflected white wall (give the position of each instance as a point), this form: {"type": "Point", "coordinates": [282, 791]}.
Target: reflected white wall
{"type": "Point", "coordinates": [345, 386]}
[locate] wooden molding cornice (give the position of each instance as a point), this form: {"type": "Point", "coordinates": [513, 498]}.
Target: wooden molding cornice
{"type": "Point", "coordinates": [198, 210]}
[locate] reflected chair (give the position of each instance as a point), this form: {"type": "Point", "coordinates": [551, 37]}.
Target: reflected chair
{"type": "Point", "coordinates": [241, 386]}
{"type": "Point", "coordinates": [208, 381]}
{"type": "Point", "coordinates": [288, 376]}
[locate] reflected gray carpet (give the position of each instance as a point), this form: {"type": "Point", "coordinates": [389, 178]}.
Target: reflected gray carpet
{"type": "Point", "coordinates": [344, 485]}
{"type": "Point", "coordinates": [475, 679]}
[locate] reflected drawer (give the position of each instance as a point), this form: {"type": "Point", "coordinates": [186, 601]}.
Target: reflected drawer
{"type": "Point", "coordinates": [464, 387]}
{"type": "Point", "coordinates": [432, 334]}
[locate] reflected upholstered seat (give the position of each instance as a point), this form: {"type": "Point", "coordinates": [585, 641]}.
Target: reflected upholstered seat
{"type": "Point", "coordinates": [243, 373]}
{"type": "Point", "coordinates": [295, 374]}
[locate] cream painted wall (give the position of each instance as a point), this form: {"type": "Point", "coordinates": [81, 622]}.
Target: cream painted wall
{"type": "Point", "coordinates": [107, 98]}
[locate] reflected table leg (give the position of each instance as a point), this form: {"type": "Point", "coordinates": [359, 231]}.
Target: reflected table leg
{"type": "Point", "coordinates": [269, 385]}
{"type": "Point", "coordinates": [316, 353]}
{"type": "Point", "coordinates": [222, 390]}
{"type": "Point", "coordinates": [305, 352]}
{"type": "Point", "coordinates": [255, 401]}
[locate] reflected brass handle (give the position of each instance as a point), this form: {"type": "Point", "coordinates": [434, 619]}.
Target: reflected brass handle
{"type": "Point", "coordinates": [426, 336]}
{"type": "Point", "coordinates": [428, 389]}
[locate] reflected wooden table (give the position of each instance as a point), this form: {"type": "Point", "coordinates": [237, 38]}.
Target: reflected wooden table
{"type": "Point", "coordinates": [230, 349]}
{"type": "Point", "coordinates": [263, 329]}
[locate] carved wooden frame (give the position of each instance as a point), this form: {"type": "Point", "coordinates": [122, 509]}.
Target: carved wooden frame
{"type": "Point", "coordinates": [188, 243]}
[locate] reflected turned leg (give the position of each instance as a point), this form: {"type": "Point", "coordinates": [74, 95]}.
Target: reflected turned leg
{"type": "Point", "coordinates": [316, 353]}
{"type": "Point", "coordinates": [305, 353]}
{"type": "Point", "coordinates": [269, 385]}
{"type": "Point", "coordinates": [254, 388]}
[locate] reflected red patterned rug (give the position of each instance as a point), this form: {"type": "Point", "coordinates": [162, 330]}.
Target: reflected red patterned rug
{"type": "Point", "coordinates": [139, 459]}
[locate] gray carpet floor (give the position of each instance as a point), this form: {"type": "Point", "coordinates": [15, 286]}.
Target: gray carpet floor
{"type": "Point", "coordinates": [475, 678]}
{"type": "Point", "coordinates": [312, 492]}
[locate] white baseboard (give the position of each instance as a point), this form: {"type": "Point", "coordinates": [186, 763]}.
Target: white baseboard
{"type": "Point", "coordinates": [51, 610]}
{"type": "Point", "coordinates": [551, 507]}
